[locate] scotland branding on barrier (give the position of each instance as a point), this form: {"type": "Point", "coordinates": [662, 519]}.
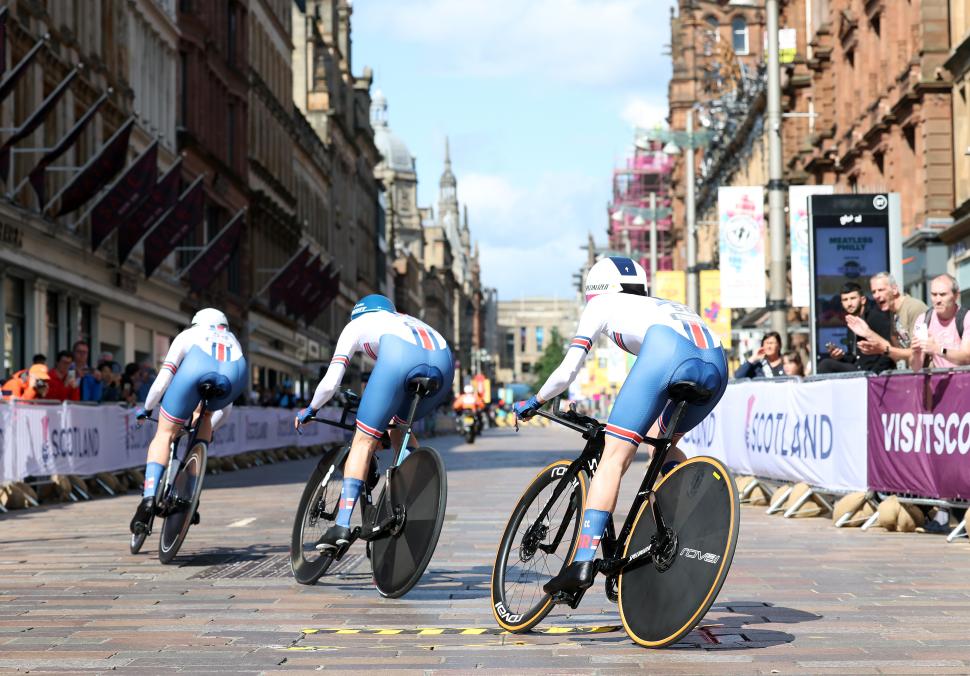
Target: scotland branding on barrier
{"type": "Point", "coordinates": [809, 431]}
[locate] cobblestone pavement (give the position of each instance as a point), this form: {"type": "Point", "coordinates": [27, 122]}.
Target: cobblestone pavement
{"type": "Point", "coordinates": [802, 596]}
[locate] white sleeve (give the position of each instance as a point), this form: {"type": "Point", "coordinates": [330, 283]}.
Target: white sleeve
{"type": "Point", "coordinates": [347, 346]}
{"type": "Point", "coordinates": [180, 346]}
{"type": "Point", "coordinates": [220, 417]}
{"type": "Point", "coordinates": [590, 325]}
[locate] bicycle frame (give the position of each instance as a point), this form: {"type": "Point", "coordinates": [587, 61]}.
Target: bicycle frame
{"type": "Point", "coordinates": [593, 431]}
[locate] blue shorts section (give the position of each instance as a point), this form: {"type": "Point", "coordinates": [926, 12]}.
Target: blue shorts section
{"type": "Point", "coordinates": [665, 357]}
{"type": "Point", "coordinates": [182, 395]}
{"type": "Point", "coordinates": [386, 395]}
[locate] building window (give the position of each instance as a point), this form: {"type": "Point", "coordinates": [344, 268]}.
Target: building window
{"type": "Point", "coordinates": [184, 84]}
{"type": "Point", "coordinates": [231, 135]}
{"type": "Point", "coordinates": [508, 356]}
{"type": "Point", "coordinates": [233, 283]}
{"type": "Point", "coordinates": [13, 325]}
{"type": "Point", "coordinates": [711, 35]}
{"type": "Point", "coordinates": [231, 34]}
{"type": "Point", "coordinates": [521, 339]}
{"type": "Point", "coordinates": [739, 35]}
{"type": "Point", "coordinates": [526, 367]}
{"type": "Point", "coordinates": [539, 337]}
{"type": "Point", "coordinates": [53, 340]}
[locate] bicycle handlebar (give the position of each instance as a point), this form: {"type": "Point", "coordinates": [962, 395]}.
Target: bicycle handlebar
{"type": "Point", "coordinates": [584, 424]}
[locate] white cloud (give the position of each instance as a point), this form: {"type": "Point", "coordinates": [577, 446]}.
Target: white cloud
{"type": "Point", "coordinates": [512, 223]}
{"type": "Point", "coordinates": [588, 42]}
{"type": "Point", "coordinates": [639, 112]}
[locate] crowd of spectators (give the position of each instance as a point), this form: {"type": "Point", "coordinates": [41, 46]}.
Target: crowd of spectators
{"type": "Point", "coordinates": [72, 378]}
{"type": "Point", "coordinates": [886, 329]}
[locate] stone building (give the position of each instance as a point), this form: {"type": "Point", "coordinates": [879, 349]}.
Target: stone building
{"type": "Point", "coordinates": [524, 329]}
{"type": "Point", "coordinates": [957, 235]}
{"type": "Point", "coordinates": [55, 290]}
{"type": "Point", "coordinates": [866, 118]}
{"type": "Point", "coordinates": [405, 235]}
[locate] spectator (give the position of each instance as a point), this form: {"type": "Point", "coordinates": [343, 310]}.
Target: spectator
{"type": "Point", "coordinates": [81, 352]}
{"type": "Point", "coordinates": [855, 304]}
{"type": "Point", "coordinates": [146, 376]}
{"type": "Point", "coordinates": [129, 384]}
{"type": "Point", "coordinates": [63, 379]}
{"type": "Point", "coordinates": [31, 383]}
{"type": "Point", "coordinates": [766, 360]}
{"type": "Point", "coordinates": [40, 359]}
{"type": "Point", "coordinates": [110, 382]}
{"type": "Point", "coordinates": [92, 388]}
{"type": "Point", "coordinates": [792, 364]}
{"type": "Point", "coordinates": [903, 310]}
{"type": "Point", "coordinates": [941, 341]}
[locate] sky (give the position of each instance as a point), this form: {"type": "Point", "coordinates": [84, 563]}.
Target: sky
{"type": "Point", "coordinates": [538, 99]}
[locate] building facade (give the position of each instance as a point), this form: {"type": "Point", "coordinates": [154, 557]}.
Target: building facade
{"type": "Point", "coordinates": [957, 235]}
{"type": "Point", "coordinates": [55, 290]}
{"type": "Point", "coordinates": [524, 329]}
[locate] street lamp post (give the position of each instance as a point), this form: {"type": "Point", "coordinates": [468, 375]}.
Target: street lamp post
{"type": "Point", "coordinates": [777, 300]}
{"type": "Point", "coordinates": [692, 299]}
{"type": "Point", "coordinates": [653, 243]}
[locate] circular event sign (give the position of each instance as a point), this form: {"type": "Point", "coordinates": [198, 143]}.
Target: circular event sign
{"type": "Point", "coordinates": [741, 232]}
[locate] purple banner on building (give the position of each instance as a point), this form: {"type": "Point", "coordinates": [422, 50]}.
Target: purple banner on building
{"type": "Point", "coordinates": [100, 169]}
{"type": "Point", "coordinates": [125, 196]}
{"type": "Point", "coordinates": [208, 264]}
{"type": "Point", "coordinates": [172, 229]}
{"type": "Point", "coordinates": [162, 198]}
{"type": "Point", "coordinates": [919, 435]}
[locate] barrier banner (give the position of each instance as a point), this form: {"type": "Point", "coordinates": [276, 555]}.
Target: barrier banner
{"type": "Point", "coordinates": [804, 431]}
{"type": "Point", "coordinates": [919, 435]}
{"type": "Point", "coordinates": [40, 440]}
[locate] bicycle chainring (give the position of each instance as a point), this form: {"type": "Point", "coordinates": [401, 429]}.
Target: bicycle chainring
{"type": "Point", "coordinates": [666, 550]}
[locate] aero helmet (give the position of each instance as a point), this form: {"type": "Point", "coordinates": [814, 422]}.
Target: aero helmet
{"type": "Point", "coordinates": [209, 317]}
{"type": "Point", "coordinates": [469, 389]}
{"type": "Point", "coordinates": [372, 303]}
{"type": "Point", "coordinates": [615, 275]}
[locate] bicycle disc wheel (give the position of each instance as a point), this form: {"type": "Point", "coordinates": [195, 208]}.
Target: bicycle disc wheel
{"type": "Point", "coordinates": [521, 567]}
{"type": "Point", "coordinates": [314, 515]}
{"type": "Point", "coordinates": [186, 488]}
{"type": "Point", "coordinates": [659, 605]}
{"type": "Point", "coordinates": [420, 487]}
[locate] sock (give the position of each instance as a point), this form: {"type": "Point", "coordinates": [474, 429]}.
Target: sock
{"type": "Point", "coordinates": [153, 474]}
{"type": "Point", "coordinates": [594, 524]}
{"type": "Point", "coordinates": [348, 498]}
{"type": "Point", "coordinates": [668, 467]}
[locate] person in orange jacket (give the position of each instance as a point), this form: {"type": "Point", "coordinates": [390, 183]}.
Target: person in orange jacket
{"type": "Point", "coordinates": [27, 384]}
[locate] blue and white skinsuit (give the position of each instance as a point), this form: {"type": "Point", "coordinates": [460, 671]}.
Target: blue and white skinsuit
{"type": "Point", "coordinates": [195, 352]}
{"type": "Point", "coordinates": [671, 343]}
{"type": "Point", "coordinates": [402, 347]}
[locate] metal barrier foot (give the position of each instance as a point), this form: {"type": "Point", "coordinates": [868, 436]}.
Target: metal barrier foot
{"type": "Point", "coordinates": [959, 531]}
{"type": "Point", "coordinates": [778, 500]}
{"type": "Point", "coordinates": [791, 511]}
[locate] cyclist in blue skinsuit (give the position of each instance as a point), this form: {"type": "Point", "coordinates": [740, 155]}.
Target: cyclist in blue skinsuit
{"type": "Point", "coordinates": [672, 344]}
{"type": "Point", "coordinates": [403, 348]}
{"type": "Point", "coordinates": [207, 347]}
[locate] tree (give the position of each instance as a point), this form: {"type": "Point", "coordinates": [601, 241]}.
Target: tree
{"type": "Point", "coordinates": [551, 357]}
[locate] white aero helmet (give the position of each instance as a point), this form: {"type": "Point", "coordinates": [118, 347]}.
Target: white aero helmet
{"type": "Point", "coordinates": [209, 317]}
{"type": "Point", "coordinates": [616, 275]}
{"type": "Point", "coordinates": [469, 389]}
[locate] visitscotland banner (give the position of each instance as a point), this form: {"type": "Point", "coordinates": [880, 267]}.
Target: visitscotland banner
{"type": "Point", "coordinates": [792, 431]}
{"type": "Point", "coordinates": [919, 435]}
{"type": "Point", "coordinates": [83, 440]}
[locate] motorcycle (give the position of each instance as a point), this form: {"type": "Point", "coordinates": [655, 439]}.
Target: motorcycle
{"type": "Point", "coordinates": [469, 425]}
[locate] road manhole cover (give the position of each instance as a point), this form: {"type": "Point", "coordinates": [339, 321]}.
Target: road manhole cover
{"type": "Point", "coordinates": [271, 565]}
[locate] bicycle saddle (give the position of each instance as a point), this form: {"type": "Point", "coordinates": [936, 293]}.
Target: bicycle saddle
{"type": "Point", "coordinates": [423, 385]}
{"type": "Point", "coordinates": [214, 385]}
{"type": "Point", "coordinates": [691, 392]}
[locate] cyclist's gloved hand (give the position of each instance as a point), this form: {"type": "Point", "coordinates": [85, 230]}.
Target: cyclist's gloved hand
{"type": "Point", "coordinates": [141, 414]}
{"type": "Point", "coordinates": [526, 409]}
{"type": "Point", "coordinates": [303, 416]}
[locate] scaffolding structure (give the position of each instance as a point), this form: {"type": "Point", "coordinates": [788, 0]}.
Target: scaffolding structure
{"type": "Point", "coordinates": [648, 171]}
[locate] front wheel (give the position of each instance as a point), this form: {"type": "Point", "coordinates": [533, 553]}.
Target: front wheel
{"type": "Point", "coordinates": [183, 501]}
{"type": "Point", "coordinates": [532, 550]}
{"type": "Point", "coordinates": [315, 514]}
{"type": "Point", "coordinates": [663, 599]}
{"type": "Point", "coordinates": [420, 492]}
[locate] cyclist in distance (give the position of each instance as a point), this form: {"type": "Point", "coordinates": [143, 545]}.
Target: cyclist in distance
{"type": "Point", "coordinates": [672, 344]}
{"type": "Point", "coordinates": [403, 348]}
{"type": "Point", "coordinates": [207, 347]}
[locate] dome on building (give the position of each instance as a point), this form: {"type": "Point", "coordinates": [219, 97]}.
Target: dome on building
{"type": "Point", "coordinates": [396, 155]}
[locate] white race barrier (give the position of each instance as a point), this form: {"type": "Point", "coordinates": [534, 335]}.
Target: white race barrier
{"type": "Point", "coordinates": [813, 431]}
{"type": "Point", "coordinates": [40, 440]}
